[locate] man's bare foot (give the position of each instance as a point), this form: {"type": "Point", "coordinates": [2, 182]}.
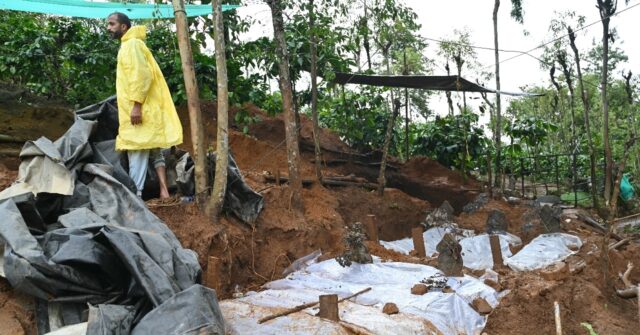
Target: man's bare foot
{"type": "Point", "coordinates": [164, 194]}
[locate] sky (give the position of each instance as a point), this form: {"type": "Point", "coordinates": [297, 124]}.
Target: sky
{"type": "Point", "coordinates": [440, 18]}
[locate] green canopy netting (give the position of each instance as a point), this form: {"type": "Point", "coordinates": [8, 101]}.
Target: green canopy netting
{"type": "Point", "coordinates": [100, 10]}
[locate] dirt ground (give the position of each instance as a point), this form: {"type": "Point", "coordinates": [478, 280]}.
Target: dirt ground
{"type": "Point", "coordinates": [253, 255]}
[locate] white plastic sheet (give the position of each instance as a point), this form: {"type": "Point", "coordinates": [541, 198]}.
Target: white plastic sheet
{"type": "Point", "coordinates": [432, 313]}
{"type": "Point", "coordinates": [476, 250]}
{"type": "Point", "coordinates": [431, 237]}
{"type": "Point", "coordinates": [543, 251]}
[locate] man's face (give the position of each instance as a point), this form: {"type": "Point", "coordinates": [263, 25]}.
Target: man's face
{"type": "Point", "coordinates": [115, 28]}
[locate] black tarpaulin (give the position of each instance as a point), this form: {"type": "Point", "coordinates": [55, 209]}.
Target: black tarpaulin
{"type": "Point", "coordinates": [81, 242]}
{"type": "Point", "coordinates": [434, 83]}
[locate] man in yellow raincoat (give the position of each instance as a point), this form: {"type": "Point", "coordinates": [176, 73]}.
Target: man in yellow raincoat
{"type": "Point", "coordinates": [147, 116]}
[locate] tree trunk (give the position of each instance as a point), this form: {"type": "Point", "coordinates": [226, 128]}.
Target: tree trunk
{"type": "Point", "coordinates": [587, 112]}
{"type": "Point", "coordinates": [562, 60]}
{"type": "Point", "coordinates": [314, 92]}
{"type": "Point", "coordinates": [406, 110]}
{"type": "Point", "coordinates": [627, 149]}
{"type": "Point", "coordinates": [293, 150]}
{"type": "Point", "coordinates": [367, 46]}
{"type": "Point", "coordinates": [222, 137]}
{"type": "Point", "coordinates": [616, 187]}
{"type": "Point", "coordinates": [498, 103]}
{"type": "Point", "coordinates": [448, 93]}
{"type": "Point", "coordinates": [296, 108]}
{"type": "Point", "coordinates": [605, 111]}
{"type": "Point", "coordinates": [385, 150]}
{"type": "Point", "coordinates": [193, 100]}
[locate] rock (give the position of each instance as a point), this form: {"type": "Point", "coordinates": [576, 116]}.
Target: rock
{"type": "Point", "coordinates": [419, 289]}
{"type": "Point", "coordinates": [440, 216]}
{"type": "Point", "coordinates": [356, 250]}
{"type": "Point", "coordinates": [448, 290]}
{"type": "Point", "coordinates": [513, 200]}
{"type": "Point", "coordinates": [481, 200]}
{"type": "Point", "coordinates": [548, 200]}
{"type": "Point", "coordinates": [496, 222]}
{"type": "Point", "coordinates": [450, 256]}
{"type": "Point", "coordinates": [481, 306]}
{"type": "Point", "coordinates": [558, 271]}
{"type": "Point", "coordinates": [390, 309]}
{"type": "Point", "coordinates": [493, 284]}
{"type": "Point", "coordinates": [550, 218]}
{"type": "Point", "coordinates": [541, 220]}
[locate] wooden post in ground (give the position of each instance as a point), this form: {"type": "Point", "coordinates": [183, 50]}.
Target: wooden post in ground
{"type": "Point", "coordinates": [193, 101]}
{"type": "Point", "coordinates": [329, 307]}
{"type": "Point", "coordinates": [372, 228]}
{"type": "Point", "coordinates": [496, 252]}
{"type": "Point", "coordinates": [214, 268]}
{"type": "Point", "coordinates": [418, 242]}
{"type": "Point", "coordinates": [556, 313]}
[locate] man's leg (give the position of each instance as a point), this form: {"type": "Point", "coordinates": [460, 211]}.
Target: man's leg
{"type": "Point", "coordinates": [138, 162]}
{"type": "Point", "coordinates": [160, 166]}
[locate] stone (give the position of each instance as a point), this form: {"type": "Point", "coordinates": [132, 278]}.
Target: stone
{"type": "Point", "coordinates": [481, 306]}
{"type": "Point", "coordinates": [448, 290]}
{"type": "Point", "coordinates": [550, 218]}
{"type": "Point", "coordinates": [481, 200]}
{"type": "Point", "coordinates": [496, 222]}
{"type": "Point", "coordinates": [390, 309]}
{"type": "Point", "coordinates": [356, 250]}
{"type": "Point", "coordinates": [548, 200]}
{"type": "Point", "coordinates": [450, 256]}
{"type": "Point", "coordinates": [419, 289]}
{"type": "Point", "coordinates": [493, 284]}
{"type": "Point", "coordinates": [556, 272]}
{"type": "Point", "coordinates": [440, 216]}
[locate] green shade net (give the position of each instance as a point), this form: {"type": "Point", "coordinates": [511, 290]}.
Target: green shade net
{"type": "Point", "coordinates": [100, 10]}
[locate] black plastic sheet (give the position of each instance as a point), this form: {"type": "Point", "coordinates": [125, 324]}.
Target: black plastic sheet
{"type": "Point", "coordinates": [100, 246]}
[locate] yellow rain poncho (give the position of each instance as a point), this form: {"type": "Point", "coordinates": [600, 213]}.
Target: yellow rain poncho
{"type": "Point", "coordinates": [139, 79]}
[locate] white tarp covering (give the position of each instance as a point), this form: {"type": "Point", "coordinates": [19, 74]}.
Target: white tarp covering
{"type": "Point", "coordinates": [476, 250]}
{"type": "Point", "coordinates": [432, 313]}
{"type": "Point", "coordinates": [543, 251]}
{"type": "Point", "coordinates": [431, 237]}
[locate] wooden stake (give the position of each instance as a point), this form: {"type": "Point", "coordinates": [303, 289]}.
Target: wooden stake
{"type": "Point", "coordinates": [557, 315]}
{"type": "Point", "coordinates": [496, 252]}
{"type": "Point", "coordinates": [418, 242]}
{"type": "Point", "coordinates": [305, 306]}
{"type": "Point", "coordinates": [372, 229]}
{"type": "Point", "coordinates": [329, 307]}
{"type": "Point", "coordinates": [214, 266]}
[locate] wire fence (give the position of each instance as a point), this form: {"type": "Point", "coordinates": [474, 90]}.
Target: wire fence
{"type": "Point", "coordinates": [565, 175]}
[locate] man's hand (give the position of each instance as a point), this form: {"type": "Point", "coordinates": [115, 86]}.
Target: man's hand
{"type": "Point", "coordinates": [136, 114]}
